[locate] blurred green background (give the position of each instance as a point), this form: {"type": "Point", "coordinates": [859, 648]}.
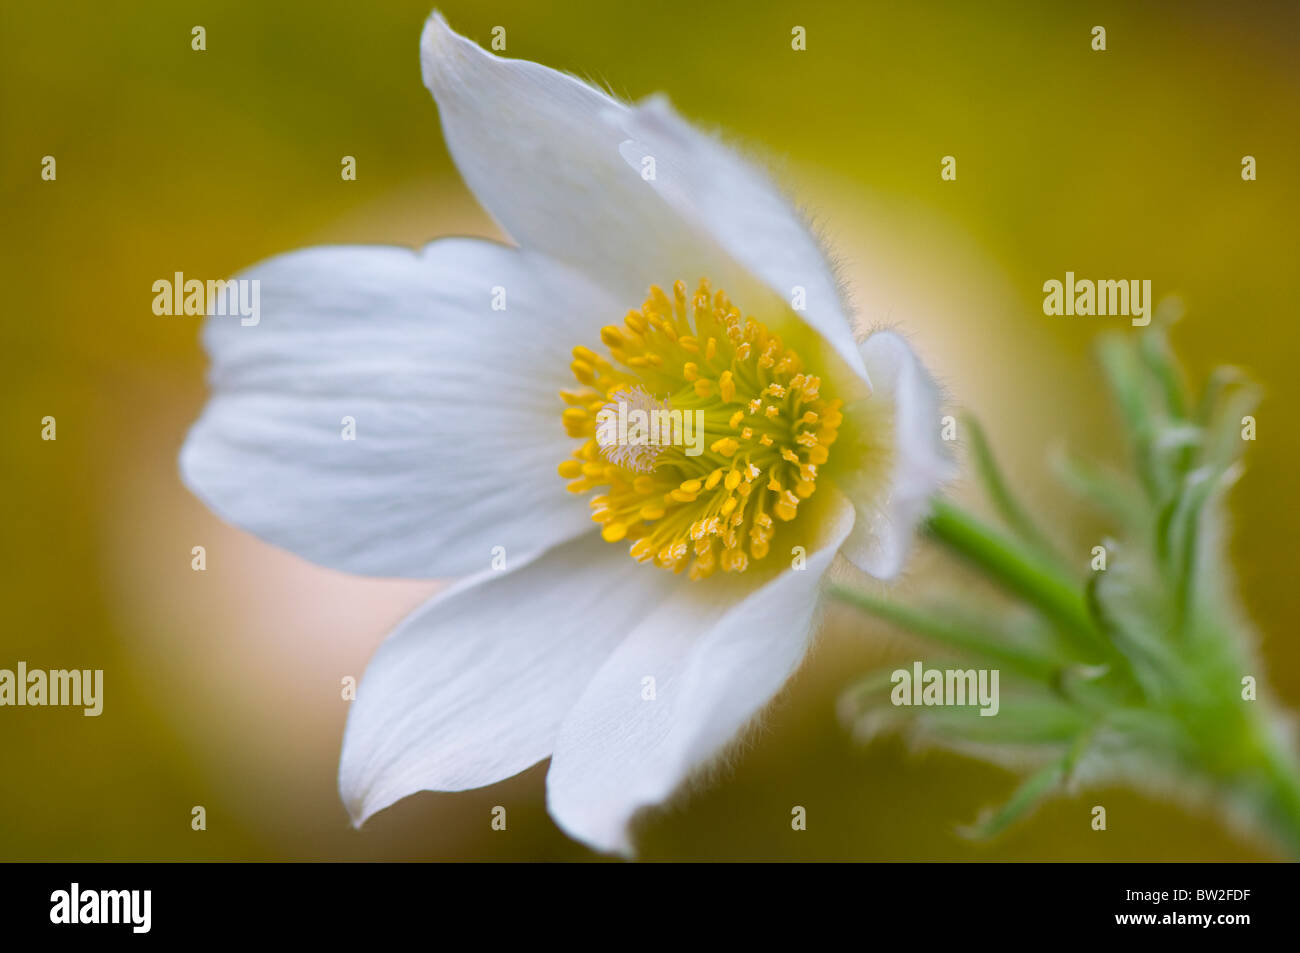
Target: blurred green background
{"type": "Point", "coordinates": [222, 688]}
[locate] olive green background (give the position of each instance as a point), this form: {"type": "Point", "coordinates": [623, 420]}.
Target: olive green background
{"type": "Point", "coordinates": [222, 688]}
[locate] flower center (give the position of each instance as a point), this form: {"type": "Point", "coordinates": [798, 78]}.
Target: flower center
{"type": "Point", "coordinates": [702, 428]}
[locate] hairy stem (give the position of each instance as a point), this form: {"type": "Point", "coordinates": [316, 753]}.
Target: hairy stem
{"type": "Point", "coordinates": [1022, 572]}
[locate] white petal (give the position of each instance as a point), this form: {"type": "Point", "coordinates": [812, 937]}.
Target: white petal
{"type": "Point", "coordinates": [540, 150]}
{"type": "Point", "coordinates": [715, 662]}
{"type": "Point", "coordinates": [889, 510]}
{"type": "Point", "coordinates": [547, 156]}
{"type": "Point", "coordinates": [471, 688]}
{"type": "Point", "coordinates": [457, 417]}
{"type": "Point", "coordinates": [713, 187]}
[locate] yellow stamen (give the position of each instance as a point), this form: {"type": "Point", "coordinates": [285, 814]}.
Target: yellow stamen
{"type": "Point", "coordinates": [693, 354]}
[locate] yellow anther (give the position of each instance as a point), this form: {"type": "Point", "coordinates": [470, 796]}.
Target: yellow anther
{"type": "Point", "coordinates": [642, 550]}
{"type": "Point", "coordinates": [734, 560]}
{"type": "Point", "coordinates": [701, 570]}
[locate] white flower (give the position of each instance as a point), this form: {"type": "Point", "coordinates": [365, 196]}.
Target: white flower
{"type": "Point", "coordinates": [583, 650]}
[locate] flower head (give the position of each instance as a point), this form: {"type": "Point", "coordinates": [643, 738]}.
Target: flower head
{"type": "Point", "coordinates": [628, 678]}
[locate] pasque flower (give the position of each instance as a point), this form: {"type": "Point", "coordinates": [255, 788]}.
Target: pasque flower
{"type": "Point", "coordinates": [643, 607]}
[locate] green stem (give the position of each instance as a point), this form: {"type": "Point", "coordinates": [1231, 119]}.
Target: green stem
{"type": "Point", "coordinates": [1021, 572]}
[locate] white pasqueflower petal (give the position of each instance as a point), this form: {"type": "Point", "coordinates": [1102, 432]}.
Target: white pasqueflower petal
{"type": "Point", "coordinates": [919, 463]}
{"type": "Point", "coordinates": [715, 662]}
{"type": "Point", "coordinates": [715, 189]}
{"type": "Point", "coordinates": [471, 688]}
{"type": "Point", "coordinates": [540, 150]}
{"type": "Point", "coordinates": [456, 434]}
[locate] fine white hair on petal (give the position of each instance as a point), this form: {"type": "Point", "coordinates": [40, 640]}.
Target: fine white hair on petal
{"type": "Point", "coordinates": [716, 661]}
{"type": "Point", "coordinates": [905, 404]}
{"type": "Point", "coordinates": [381, 418]}
{"type": "Point", "coordinates": [715, 188]}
